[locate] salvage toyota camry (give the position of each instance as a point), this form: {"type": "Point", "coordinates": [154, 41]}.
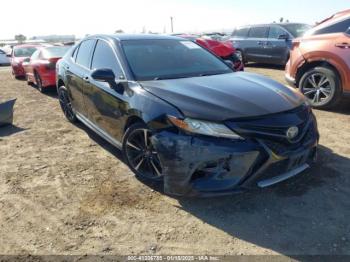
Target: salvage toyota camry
{"type": "Point", "coordinates": [181, 116]}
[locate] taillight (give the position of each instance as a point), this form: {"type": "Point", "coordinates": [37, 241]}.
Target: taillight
{"type": "Point", "coordinates": [51, 64]}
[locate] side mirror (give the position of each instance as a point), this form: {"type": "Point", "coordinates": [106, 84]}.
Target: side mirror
{"type": "Point", "coordinates": [107, 75]}
{"type": "Point", "coordinates": [103, 75]}
{"type": "Point", "coordinates": [283, 37]}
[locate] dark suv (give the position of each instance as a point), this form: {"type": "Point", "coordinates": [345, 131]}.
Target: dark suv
{"type": "Point", "coordinates": [268, 43]}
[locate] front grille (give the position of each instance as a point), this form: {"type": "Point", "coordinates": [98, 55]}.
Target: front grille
{"type": "Point", "coordinates": [282, 149]}
{"type": "Point", "coordinates": [274, 127]}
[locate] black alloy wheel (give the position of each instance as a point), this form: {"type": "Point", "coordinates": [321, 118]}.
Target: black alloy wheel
{"type": "Point", "coordinates": [140, 154]}
{"type": "Point", "coordinates": [66, 105]}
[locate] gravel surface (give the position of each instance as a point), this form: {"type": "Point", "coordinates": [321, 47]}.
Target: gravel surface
{"type": "Point", "coordinates": [63, 190]}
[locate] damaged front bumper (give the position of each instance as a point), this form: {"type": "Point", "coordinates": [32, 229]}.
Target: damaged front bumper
{"type": "Point", "coordinates": [206, 166]}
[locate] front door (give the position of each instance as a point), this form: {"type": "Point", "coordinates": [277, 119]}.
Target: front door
{"type": "Point", "coordinates": [278, 49]}
{"type": "Point", "coordinates": [106, 107]}
{"type": "Point", "coordinates": [255, 44]}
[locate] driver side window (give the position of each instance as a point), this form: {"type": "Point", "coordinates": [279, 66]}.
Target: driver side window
{"type": "Point", "coordinates": [104, 57]}
{"type": "Point", "coordinates": [275, 32]}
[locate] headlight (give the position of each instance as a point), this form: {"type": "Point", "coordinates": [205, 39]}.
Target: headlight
{"type": "Point", "coordinates": [204, 128]}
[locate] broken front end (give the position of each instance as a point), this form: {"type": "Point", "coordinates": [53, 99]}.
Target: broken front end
{"type": "Point", "coordinates": [267, 150]}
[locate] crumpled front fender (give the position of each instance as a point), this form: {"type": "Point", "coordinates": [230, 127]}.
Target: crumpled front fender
{"type": "Point", "coordinates": [199, 165]}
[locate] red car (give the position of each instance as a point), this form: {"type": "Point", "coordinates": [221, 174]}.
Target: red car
{"type": "Point", "coordinates": [223, 49]}
{"type": "Point", "coordinates": [19, 54]}
{"type": "Point", "coordinates": [40, 67]}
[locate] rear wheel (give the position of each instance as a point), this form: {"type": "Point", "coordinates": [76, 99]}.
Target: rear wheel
{"type": "Point", "coordinates": [321, 86]}
{"type": "Point", "coordinates": [39, 82]}
{"type": "Point", "coordinates": [28, 81]}
{"type": "Point", "coordinates": [66, 105]}
{"type": "Point", "coordinates": [140, 154]}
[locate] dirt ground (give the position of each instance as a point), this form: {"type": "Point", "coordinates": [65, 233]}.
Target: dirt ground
{"type": "Point", "coordinates": [63, 190]}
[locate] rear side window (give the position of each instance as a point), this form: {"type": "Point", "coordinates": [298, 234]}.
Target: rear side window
{"type": "Point", "coordinates": [35, 55]}
{"type": "Point", "coordinates": [340, 27]}
{"type": "Point", "coordinates": [104, 57]}
{"type": "Point", "coordinates": [84, 53]}
{"type": "Point", "coordinates": [275, 32]}
{"type": "Point", "coordinates": [258, 32]}
{"type": "Point", "coordinates": [241, 32]}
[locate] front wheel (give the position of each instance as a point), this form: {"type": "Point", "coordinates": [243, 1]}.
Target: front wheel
{"type": "Point", "coordinates": [140, 154]}
{"type": "Point", "coordinates": [321, 86]}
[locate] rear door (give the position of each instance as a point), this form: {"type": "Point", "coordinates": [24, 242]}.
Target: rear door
{"type": "Point", "coordinates": [255, 44]}
{"type": "Point", "coordinates": [77, 72]}
{"type": "Point", "coordinates": [278, 49]}
{"type": "Point", "coordinates": [239, 38]}
{"type": "Point", "coordinates": [106, 107]}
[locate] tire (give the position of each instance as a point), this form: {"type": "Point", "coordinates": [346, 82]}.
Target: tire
{"type": "Point", "coordinates": [39, 83]}
{"type": "Point", "coordinates": [240, 55]}
{"type": "Point", "coordinates": [139, 153]}
{"type": "Point", "coordinates": [66, 105]}
{"type": "Point", "coordinates": [28, 82]}
{"type": "Point", "coordinates": [322, 87]}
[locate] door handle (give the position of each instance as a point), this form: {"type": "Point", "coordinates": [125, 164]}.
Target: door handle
{"type": "Point", "coordinates": [343, 45]}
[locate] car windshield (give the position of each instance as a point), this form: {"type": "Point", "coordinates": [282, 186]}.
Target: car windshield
{"type": "Point", "coordinates": [55, 51]}
{"type": "Point", "coordinates": [24, 52]}
{"type": "Point", "coordinates": [297, 30]}
{"type": "Point", "coordinates": [170, 59]}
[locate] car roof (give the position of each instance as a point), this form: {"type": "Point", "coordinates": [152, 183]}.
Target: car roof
{"type": "Point", "coordinates": [26, 46]}
{"type": "Point", "coordinates": [280, 24]}
{"type": "Point", "coordinates": [122, 37]}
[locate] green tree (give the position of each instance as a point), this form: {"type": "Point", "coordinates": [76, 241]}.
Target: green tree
{"type": "Point", "coordinates": [20, 38]}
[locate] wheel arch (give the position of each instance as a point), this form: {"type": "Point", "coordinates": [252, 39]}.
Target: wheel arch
{"type": "Point", "coordinates": [133, 120]}
{"type": "Point", "coordinates": [318, 63]}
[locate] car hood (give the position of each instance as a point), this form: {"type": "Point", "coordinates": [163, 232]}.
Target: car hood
{"type": "Point", "coordinates": [225, 96]}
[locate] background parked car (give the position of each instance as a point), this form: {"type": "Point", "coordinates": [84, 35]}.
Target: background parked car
{"type": "Point", "coordinates": [320, 61]}
{"type": "Point", "coordinates": [269, 43]}
{"type": "Point", "coordinates": [19, 54]}
{"type": "Point", "coordinates": [4, 59]}
{"type": "Point", "coordinates": [40, 67]}
{"type": "Point", "coordinates": [223, 49]}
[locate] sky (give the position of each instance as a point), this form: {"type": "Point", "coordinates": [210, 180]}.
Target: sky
{"type": "Point", "coordinates": [46, 17]}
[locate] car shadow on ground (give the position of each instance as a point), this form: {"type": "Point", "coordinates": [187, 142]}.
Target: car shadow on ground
{"type": "Point", "coordinates": [9, 130]}
{"type": "Point", "coordinates": [343, 107]}
{"type": "Point", "coordinates": [265, 66]}
{"type": "Point", "coordinates": [50, 91]}
{"type": "Point", "coordinates": [304, 215]}
{"type": "Point", "coordinates": [156, 186]}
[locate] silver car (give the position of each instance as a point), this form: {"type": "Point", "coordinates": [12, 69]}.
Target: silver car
{"type": "Point", "coordinates": [4, 59]}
